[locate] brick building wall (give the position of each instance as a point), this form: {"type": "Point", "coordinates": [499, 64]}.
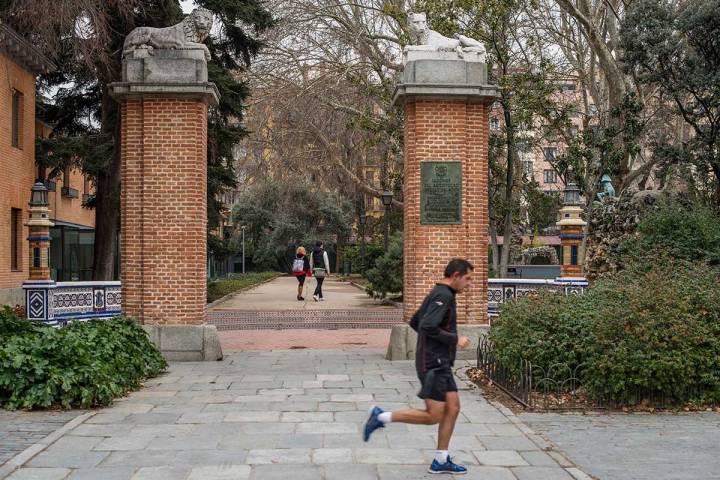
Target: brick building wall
{"type": "Point", "coordinates": [447, 131]}
{"type": "Point", "coordinates": [17, 170]}
{"type": "Point", "coordinates": [70, 209]}
{"type": "Point", "coordinates": [164, 201]}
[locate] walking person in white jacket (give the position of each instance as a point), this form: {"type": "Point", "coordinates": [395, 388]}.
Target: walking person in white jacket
{"type": "Point", "coordinates": [320, 268]}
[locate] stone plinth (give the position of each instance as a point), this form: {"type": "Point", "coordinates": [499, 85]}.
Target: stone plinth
{"type": "Point", "coordinates": [446, 106]}
{"type": "Point", "coordinates": [164, 102]}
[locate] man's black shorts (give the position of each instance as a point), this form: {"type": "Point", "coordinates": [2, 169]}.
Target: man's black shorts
{"type": "Point", "coordinates": [436, 383]}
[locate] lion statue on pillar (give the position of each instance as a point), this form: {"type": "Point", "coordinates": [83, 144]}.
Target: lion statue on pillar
{"type": "Point", "coordinates": [425, 39]}
{"type": "Point", "coordinates": [188, 34]}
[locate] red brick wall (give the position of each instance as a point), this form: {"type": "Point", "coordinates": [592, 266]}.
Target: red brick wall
{"type": "Point", "coordinates": [447, 131]}
{"type": "Point", "coordinates": [164, 219]}
{"type": "Point", "coordinates": [17, 167]}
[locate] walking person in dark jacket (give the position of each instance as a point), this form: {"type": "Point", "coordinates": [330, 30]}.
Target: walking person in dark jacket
{"type": "Point", "coordinates": [320, 268]}
{"type": "Point", "coordinates": [436, 325]}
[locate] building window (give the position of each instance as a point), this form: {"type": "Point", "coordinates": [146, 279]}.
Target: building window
{"type": "Point", "coordinates": [36, 257]}
{"type": "Point", "coordinates": [494, 123]}
{"type": "Point", "coordinates": [528, 168]}
{"type": "Point", "coordinates": [549, 176]}
{"type": "Point", "coordinates": [15, 232]}
{"type": "Point", "coordinates": [17, 118]}
{"type": "Point", "coordinates": [573, 255]}
{"type": "Point", "coordinates": [549, 153]}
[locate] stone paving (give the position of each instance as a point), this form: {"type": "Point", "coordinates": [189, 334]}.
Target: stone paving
{"type": "Point", "coordinates": [287, 414]}
{"type": "Point", "coordinates": [636, 446]}
{"type": "Point", "coordinates": [280, 294]}
{"type": "Point", "coordinates": [20, 430]}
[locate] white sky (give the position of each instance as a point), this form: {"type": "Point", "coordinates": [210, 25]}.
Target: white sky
{"type": "Point", "coordinates": [187, 5]}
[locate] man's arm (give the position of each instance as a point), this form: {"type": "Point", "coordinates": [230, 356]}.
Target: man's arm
{"type": "Point", "coordinates": [434, 315]}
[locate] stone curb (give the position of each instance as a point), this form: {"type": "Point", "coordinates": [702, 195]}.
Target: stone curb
{"type": "Point", "coordinates": [26, 455]}
{"type": "Point", "coordinates": [543, 444]}
{"type": "Point", "coordinates": [225, 298]}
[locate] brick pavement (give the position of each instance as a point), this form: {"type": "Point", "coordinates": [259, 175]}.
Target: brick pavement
{"type": "Point", "coordinates": [278, 414]}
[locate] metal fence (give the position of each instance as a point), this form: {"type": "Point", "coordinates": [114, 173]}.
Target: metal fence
{"type": "Point", "coordinates": [560, 386]}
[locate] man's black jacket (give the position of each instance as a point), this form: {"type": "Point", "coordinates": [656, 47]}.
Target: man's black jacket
{"type": "Point", "coordinates": [436, 325]}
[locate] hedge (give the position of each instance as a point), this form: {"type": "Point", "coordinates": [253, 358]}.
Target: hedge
{"type": "Point", "coordinates": [85, 364]}
{"type": "Point", "coordinates": [652, 329]}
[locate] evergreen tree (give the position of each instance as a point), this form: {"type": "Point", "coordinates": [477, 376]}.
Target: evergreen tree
{"type": "Point", "coordinates": [84, 38]}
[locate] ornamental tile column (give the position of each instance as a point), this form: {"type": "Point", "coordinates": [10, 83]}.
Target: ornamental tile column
{"type": "Point", "coordinates": [572, 229]}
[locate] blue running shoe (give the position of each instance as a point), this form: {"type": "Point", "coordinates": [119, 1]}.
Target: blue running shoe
{"type": "Point", "coordinates": [373, 423]}
{"type": "Point", "coordinates": [447, 467]}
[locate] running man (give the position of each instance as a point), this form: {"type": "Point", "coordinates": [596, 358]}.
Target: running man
{"type": "Point", "coordinates": [436, 325]}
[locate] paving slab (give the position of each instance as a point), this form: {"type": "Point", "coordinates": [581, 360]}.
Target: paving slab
{"type": "Point", "coordinates": [641, 446]}
{"type": "Point", "coordinates": [296, 414]}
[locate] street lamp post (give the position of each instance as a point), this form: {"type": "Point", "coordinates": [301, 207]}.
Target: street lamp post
{"type": "Point", "coordinates": [362, 219]}
{"type": "Point", "coordinates": [387, 198]}
{"type": "Point", "coordinates": [243, 248]}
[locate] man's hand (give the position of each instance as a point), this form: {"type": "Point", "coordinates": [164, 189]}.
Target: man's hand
{"type": "Point", "coordinates": [463, 342]}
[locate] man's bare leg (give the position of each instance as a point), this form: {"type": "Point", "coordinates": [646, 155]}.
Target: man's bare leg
{"type": "Point", "coordinates": [432, 414]}
{"type": "Point", "coordinates": [447, 424]}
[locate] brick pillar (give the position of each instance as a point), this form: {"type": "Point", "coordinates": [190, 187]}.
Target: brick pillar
{"type": "Point", "coordinates": [164, 209]}
{"type": "Point", "coordinates": [164, 101]}
{"type": "Point", "coordinates": [446, 104]}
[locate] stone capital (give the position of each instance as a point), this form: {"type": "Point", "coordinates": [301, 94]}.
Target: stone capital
{"type": "Point", "coordinates": [206, 91]}
{"type": "Point", "coordinates": [177, 73]}
{"type": "Point", "coordinates": [444, 79]}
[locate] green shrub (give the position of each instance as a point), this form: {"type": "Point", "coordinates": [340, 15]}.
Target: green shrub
{"type": "Point", "coordinates": [651, 331]}
{"type": "Point", "coordinates": [84, 364]}
{"type": "Point", "coordinates": [353, 254]}
{"type": "Point", "coordinates": [12, 324]}
{"type": "Point", "coordinates": [690, 231]}
{"type": "Point", "coordinates": [387, 274]}
{"type": "Point", "coordinates": [220, 288]}
{"type": "Point", "coordinates": [657, 331]}
{"type": "Point", "coordinates": [548, 329]}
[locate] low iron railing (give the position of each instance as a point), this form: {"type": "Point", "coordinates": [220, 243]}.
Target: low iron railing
{"type": "Point", "coordinates": [558, 387]}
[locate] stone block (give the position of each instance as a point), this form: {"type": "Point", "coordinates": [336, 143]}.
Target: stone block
{"type": "Point", "coordinates": [220, 472]}
{"type": "Point", "coordinates": [181, 338]}
{"type": "Point", "coordinates": [322, 456]}
{"type": "Point", "coordinates": [500, 458]}
{"type": "Point", "coordinates": [541, 473]}
{"type": "Point", "coordinates": [186, 343]}
{"type": "Point", "coordinates": [278, 456]}
{"type": "Point", "coordinates": [343, 471]}
{"type": "Point", "coordinates": [40, 474]}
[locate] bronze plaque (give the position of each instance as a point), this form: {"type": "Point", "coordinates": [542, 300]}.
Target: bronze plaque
{"type": "Point", "coordinates": [440, 193]}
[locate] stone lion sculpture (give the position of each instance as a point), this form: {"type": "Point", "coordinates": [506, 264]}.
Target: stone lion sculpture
{"type": "Point", "coordinates": [425, 39]}
{"type": "Point", "coordinates": [190, 33]}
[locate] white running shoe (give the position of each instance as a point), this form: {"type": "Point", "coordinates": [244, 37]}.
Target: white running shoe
{"type": "Point", "coordinates": [315, 297]}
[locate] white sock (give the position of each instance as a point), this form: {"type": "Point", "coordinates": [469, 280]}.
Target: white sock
{"type": "Point", "coordinates": [385, 417]}
{"type": "Point", "coordinates": [441, 456]}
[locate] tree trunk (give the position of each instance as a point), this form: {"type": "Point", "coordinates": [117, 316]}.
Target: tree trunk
{"type": "Point", "coordinates": [509, 184]}
{"type": "Point", "coordinates": [493, 240]}
{"type": "Point", "coordinates": [107, 199]}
